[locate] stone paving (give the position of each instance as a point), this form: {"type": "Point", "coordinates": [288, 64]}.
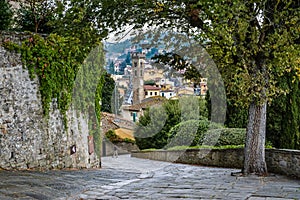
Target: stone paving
{"type": "Point", "coordinates": [132, 178]}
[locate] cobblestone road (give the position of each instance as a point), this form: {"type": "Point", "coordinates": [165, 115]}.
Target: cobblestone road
{"type": "Point", "coordinates": [132, 178]}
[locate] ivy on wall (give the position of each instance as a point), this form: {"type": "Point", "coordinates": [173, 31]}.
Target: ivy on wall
{"type": "Point", "coordinates": [55, 61]}
{"type": "Point", "coordinates": [67, 73]}
{"type": "Point", "coordinates": [87, 94]}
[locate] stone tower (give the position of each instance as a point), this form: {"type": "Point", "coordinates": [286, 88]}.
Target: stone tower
{"type": "Point", "coordinates": [138, 65]}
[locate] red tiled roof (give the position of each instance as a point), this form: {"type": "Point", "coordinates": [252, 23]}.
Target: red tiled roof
{"type": "Point", "coordinates": [150, 87]}
{"type": "Point", "coordinates": [167, 91]}
{"type": "Point", "coordinates": [149, 102]}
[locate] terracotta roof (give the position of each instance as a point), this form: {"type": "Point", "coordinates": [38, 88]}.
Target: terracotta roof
{"type": "Point", "coordinates": [150, 87]}
{"type": "Point", "coordinates": [147, 103]}
{"type": "Point", "coordinates": [167, 91]}
{"type": "Point", "coordinates": [111, 121]}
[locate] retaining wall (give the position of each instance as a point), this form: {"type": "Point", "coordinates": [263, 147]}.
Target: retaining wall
{"type": "Point", "coordinates": [286, 162]}
{"type": "Point", "coordinates": [28, 139]}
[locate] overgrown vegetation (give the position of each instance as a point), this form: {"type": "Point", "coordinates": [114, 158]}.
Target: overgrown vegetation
{"type": "Point", "coordinates": [64, 59]}
{"type": "Point", "coordinates": [55, 65]}
{"type": "Point", "coordinates": [35, 16]}
{"type": "Point", "coordinates": [6, 14]}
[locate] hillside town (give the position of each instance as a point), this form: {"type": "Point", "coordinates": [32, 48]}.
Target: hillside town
{"type": "Point", "coordinates": [141, 83]}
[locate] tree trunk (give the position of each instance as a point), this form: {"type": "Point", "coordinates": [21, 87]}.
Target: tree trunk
{"type": "Point", "coordinates": [254, 162]}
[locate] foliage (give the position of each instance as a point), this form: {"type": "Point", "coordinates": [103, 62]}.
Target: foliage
{"type": "Point", "coordinates": [107, 92]}
{"type": "Point", "coordinates": [149, 82]}
{"type": "Point", "coordinates": [187, 133]}
{"type": "Point", "coordinates": [75, 18]}
{"type": "Point", "coordinates": [60, 61]}
{"type": "Point", "coordinates": [154, 126]}
{"type": "Point", "coordinates": [236, 115]}
{"type": "Point", "coordinates": [87, 92]}
{"type": "Point", "coordinates": [283, 130]}
{"type": "Point", "coordinates": [152, 129]}
{"type": "Point", "coordinates": [56, 62]}
{"type": "Point", "coordinates": [252, 68]}
{"type": "Point", "coordinates": [111, 68]}
{"type": "Point", "coordinates": [5, 15]}
{"type": "Point", "coordinates": [171, 14]}
{"type": "Point", "coordinates": [225, 136]}
{"type": "Point", "coordinates": [95, 119]}
{"type": "Point", "coordinates": [253, 43]}
{"type": "Point", "coordinates": [55, 65]}
{"type": "Point", "coordinates": [191, 132]}
{"type": "Point", "coordinates": [113, 137]}
{"type": "Point", "coordinates": [128, 140]}
{"type": "Point", "coordinates": [180, 148]}
{"type": "Point", "coordinates": [35, 15]}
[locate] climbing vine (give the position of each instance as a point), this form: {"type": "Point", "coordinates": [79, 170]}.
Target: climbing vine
{"type": "Point", "coordinates": [68, 72]}
{"type": "Point", "coordinates": [55, 61]}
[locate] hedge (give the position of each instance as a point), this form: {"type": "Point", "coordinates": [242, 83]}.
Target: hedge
{"type": "Point", "coordinates": [224, 136]}
{"type": "Point", "coordinates": [190, 133]}
{"type": "Point", "coordinates": [204, 132]}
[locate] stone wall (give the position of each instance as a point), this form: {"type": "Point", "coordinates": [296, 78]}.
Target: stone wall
{"type": "Point", "coordinates": [286, 162]}
{"type": "Point", "coordinates": [123, 148]}
{"type": "Point", "coordinates": [28, 139]}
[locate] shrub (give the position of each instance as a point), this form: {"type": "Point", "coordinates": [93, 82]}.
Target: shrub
{"type": "Point", "coordinates": [112, 136]}
{"type": "Point", "coordinates": [224, 136]}
{"type": "Point", "coordinates": [127, 140]}
{"type": "Point", "coordinates": [190, 133]}
{"type": "Point", "coordinates": [180, 148]}
{"type": "Point", "coordinates": [153, 128]}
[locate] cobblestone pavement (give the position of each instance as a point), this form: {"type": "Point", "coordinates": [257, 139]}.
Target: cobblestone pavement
{"type": "Point", "coordinates": [133, 178]}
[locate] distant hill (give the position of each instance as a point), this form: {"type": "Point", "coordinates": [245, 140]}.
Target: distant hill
{"type": "Point", "coordinates": [117, 47]}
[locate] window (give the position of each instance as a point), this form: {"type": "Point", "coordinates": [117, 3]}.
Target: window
{"type": "Point", "coordinates": [170, 94]}
{"type": "Point", "coordinates": [141, 72]}
{"type": "Point", "coordinates": [151, 93]}
{"type": "Point", "coordinates": [135, 72]}
{"type": "Point", "coordinates": [162, 94]}
{"type": "Point", "coordinates": [135, 64]}
{"type": "Point", "coordinates": [146, 93]}
{"type": "Point", "coordinates": [155, 93]}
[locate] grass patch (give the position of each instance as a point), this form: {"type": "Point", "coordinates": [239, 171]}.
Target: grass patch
{"type": "Point", "coordinates": [179, 148]}
{"type": "Point", "coordinates": [152, 149]}
{"type": "Point", "coordinates": [176, 148]}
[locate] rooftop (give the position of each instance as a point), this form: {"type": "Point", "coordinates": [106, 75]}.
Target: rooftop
{"type": "Point", "coordinates": [150, 87]}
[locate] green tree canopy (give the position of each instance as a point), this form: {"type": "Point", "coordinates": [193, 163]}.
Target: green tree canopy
{"type": "Point", "coordinates": [252, 42]}
{"type": "Point", "coordinates": [35, 15]}
{"type": "Point", "coordinates": [5, 15]}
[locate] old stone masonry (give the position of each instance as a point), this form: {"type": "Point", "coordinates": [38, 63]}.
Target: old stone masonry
{"type": "Point", "coordinates": [137, 179]}
{"type": "Point", "coordinates": [29, 140]}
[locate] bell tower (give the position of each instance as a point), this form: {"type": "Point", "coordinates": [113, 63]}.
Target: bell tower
{"type": "Point", "coordinates": [137, 76]}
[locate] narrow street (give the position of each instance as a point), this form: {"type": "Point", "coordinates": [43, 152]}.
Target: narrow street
{"type": "Point", "coordinates": [131, 178]}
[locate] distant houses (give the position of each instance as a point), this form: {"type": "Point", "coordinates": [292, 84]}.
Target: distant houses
{"type": "Point", "coordinates": [142, 83]}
